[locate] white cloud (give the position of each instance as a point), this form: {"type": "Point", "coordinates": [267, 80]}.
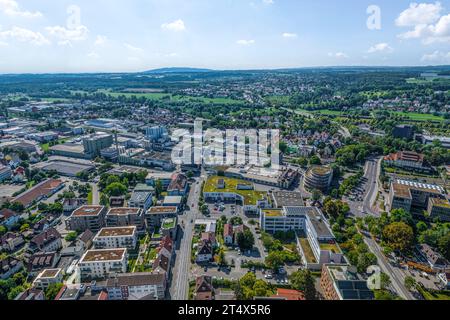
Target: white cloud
{"type": "Point", "coordinates": [133, 48]}
{"type": "Point", "coordinates": [439, 32]}
{"type": "Point", "coordinates": [24, 35]}
{"type": "Point", "coordinates": [380, 47]}
{"type": "Point", "coordinates": [100, 40]}
{"type": "Point", "coordinates": [437, 57]}
{"type": "Point", "coordinates": [245, 42]}
{"type": "Point", "coordinates": [12, 8]}
{"type": "Point", "coordinates": [427, 22]}
{"type": "Point", "coordinates": [418, 14]}
{"type": "Point", "coordinates": [67, 36]}
{"type": "Point", "coordinates": [289, 35]}
{"type": "Point", "coordinates": [268, 2]}
{"type": "Point", "coordinates": [172, 55]}
{"type": "Point", "coordinates": [177, 26]}
{"type": "Point", "coordinates": [339, 55]}
{"type": "Point", "coordinates": [93, 55]}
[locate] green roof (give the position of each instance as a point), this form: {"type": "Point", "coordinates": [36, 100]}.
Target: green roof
{"type": "Point", "coordinates": [250, 196]}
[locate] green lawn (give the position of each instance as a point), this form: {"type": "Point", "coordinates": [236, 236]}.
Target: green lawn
{"type": "Point", "coordinates": [419, 116]}
{"type": "Point", "coordinates": [89, 197]}
{"type": "Point", "coordinates": [250, 196]}
{"type": "Point", "coordinates": [309, 255]}
{"type": "Point", "coordinates": [443, 295]}
{"type": "Point", "coordinates": [175, 98]}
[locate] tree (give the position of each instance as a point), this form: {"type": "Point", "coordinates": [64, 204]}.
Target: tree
{"type": "Point", "coordinates": [316, 195]}
{"type": "Point", "coordinates": [385, 281]}
{"type": "Point", "coordinates": [71, 236]}
{"type": "Point", "coordinates": [400, 215]}
{"type": "Point", "coordinates": [444, 245]}
{"type": "Point", "coordinates": [315, 160]}
{"type": "Point", "coordinates": [303, 280]}
{"type": "Point", "coordinates": [331, 208]}
{"type": "Point", "coordinates": [158, 188]}
{"type": "Point", "coordinates": [52, 291]}
{"type": "Point", "coordinates": [274, 260]}
{"type": "Point", "coordinates": [245, 240]}
{"type": "Point", "coordinates": [410, 282]}
{"type": "Point", "coordinates": [3, 230]}
{"type": "Point", "coordinates": [399, 236]}
{"type": "Point", "coordinates": [17, 207]}
{"type": "Point", "coordinates": [116, 189]}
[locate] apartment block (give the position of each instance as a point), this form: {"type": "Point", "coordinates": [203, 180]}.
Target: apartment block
{"type": "Point", "coordinates": [87, 217]}
{"type": "Point", "coordinates": [122, 217]}
{"type": "Point", "coordinates": [103, 263]}
{"type": "Point", "coordinates": [116, 237]}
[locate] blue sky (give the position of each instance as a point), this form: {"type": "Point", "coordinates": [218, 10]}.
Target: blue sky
{"type": "Point", "coordinates": [136, 35]}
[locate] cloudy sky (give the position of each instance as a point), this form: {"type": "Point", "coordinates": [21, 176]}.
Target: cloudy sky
{"type": "Point", "coordinates": [136, 35]}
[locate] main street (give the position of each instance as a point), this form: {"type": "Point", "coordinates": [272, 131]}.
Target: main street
{"type": "Point", "coordinates": [180, 277]}
{"type": "Point", "coordinates": [373, 168]}
{"type": "Point", "coordinates": [397, 277]}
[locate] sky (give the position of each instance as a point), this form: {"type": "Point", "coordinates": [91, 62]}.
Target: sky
{"type": "Point", "coordinates": [49, 36]}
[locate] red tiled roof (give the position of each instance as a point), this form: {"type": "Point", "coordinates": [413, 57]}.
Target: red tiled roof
{"type": "Point", "coordinates": [42, 189]}
{"type": "Point", "coordinates": [289, 294]}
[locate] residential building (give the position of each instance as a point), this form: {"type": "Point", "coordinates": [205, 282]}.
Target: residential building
{"type": "Point", "coordinates": [47, 241]}
{"type": "Point", "coordinates": [228, 234]}
{"type": "Point", "coordinates": [163, 260]}
{"type": "Point", "coordinates": [11, 241]}
{"type": "Point", "coordinates": [103, 263]}
{"type": "Point", "coordinates": [436, 261]}
{"type": "Point", "coordinates": [40, 261]}
{"type": "Point", "coordinates": [289, 294]}
{"type": "Point", "coordinates": [141, 199]}
{"type": "Point", "coordinates": [439, 208]}
{"type": "Point", "coordinates": [8, 218]}
{"type": "Point", "coordinates": [87, 217]}
{"type": "Point", "coordinates": [341, 282]}
{"type": "Point", "coordinates": [318, 177]}
{"type": "Point", "coordinates": [137, 286]}
{"type": "Point", "coordinates": [204, 289]}
{"type": "Point", "coordinates": [5, 173]}
{"type": "Point", "coordinates": [122, 217]}
{"type": "Point", "coordinates": [178, 185]}
{"type": "Point", "coordinates": [116, 237]}
{"type": "Point", "coordinates": [9, 266]}
{"type": "Point", "coordinates": [173, 201]}
{"type": "Point", "coordinates": [48, 277]}
{"type": "Point", "coordinates": [204, 252]}
{"type": "Point", "coordinates": [410, 194]}
{"type": "Point", "coordinates": [169, 227]}
{"type": "Point", "coordinates": [31, 294]}
{"type": "Point", "coordinates": [155, 215]}
{"type": "Point", "coordinates": [164, 177]}
{"type": "Point", "coordinates": [71, 204]}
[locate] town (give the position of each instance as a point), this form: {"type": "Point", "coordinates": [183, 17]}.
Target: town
{"type": "Point", "coordinates": [94, 207]}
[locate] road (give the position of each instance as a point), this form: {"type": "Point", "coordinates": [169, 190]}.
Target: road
{"type": "Point", "coordinates": [95, 194]}
{"type": "Point", "coordinates": [397, 277]}
{"type": "Point", "coordinates": [180, 278]}
{"type": "Point", "coordinates": [372, 173]}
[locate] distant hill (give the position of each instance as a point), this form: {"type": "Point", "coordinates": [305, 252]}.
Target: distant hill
{"type": "Point", "coordinates": [178, 70]}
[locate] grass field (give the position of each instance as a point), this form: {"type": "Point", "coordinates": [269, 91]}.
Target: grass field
{"type": "Point", "coordinates": [159, 96]}
{"type": "Point", "coordinates": [419, 116]}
